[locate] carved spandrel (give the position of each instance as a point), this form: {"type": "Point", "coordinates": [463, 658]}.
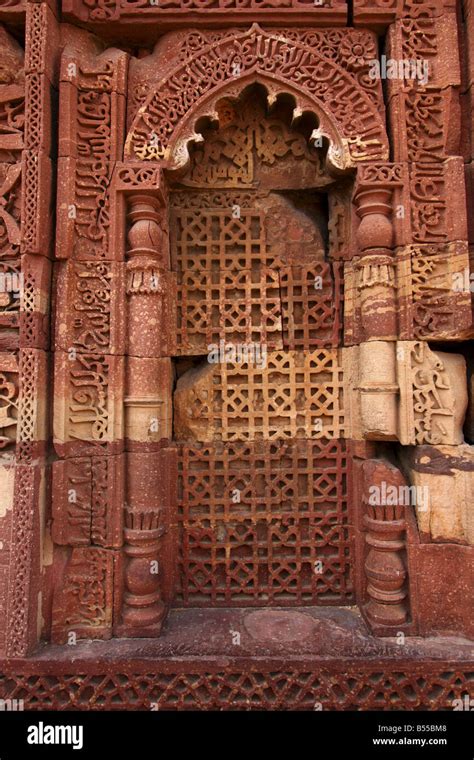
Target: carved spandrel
{"type": "Point", "coordinates": [354, 111]}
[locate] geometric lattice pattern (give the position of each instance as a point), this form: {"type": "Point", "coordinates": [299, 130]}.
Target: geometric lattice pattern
{"type": "Point", "coordinates": [209, 239]}
{"type": "Point", "coordinates": [311, 305]}
{"type": "Point", "coordinates": [234, 285]}
{"type": "Point", "coordinates": [264, 523]}
{"type": "Point", "coordinates": [298, 394]}
{"type": "Point", "coordinates": [262, 507]}
{"type": "Point", "coordinates": [236, 307]}
{"type": "Point", "coordinates": [386, 686]}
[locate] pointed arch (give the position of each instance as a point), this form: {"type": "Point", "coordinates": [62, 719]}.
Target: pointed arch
{"type": "Point", "coordinates": [348, 116]}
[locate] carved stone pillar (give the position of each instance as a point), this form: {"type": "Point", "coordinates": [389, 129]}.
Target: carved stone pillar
{"type": "Point", "coordinates": [376, 291]}
{"type": "Point", "coordinates": [386, 588]}
{"type": "Point", "coordinates": [375, 273]}
{"type": "Point", "coordinates": [150, 466]}
{"type": "Point", "coordinates": [143, 607]}
{"type": "Point", "coordinates": [147, 266]}
{"type": "Point", "coordinates": [374, 208]}
{"type": "Point", "coordinates": [378, 390]}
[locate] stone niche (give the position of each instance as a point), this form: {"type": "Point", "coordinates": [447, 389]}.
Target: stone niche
{"type": "Point", "coordinates": [258, 398]}
{"type": "Point", "coordinates": [249, 325]}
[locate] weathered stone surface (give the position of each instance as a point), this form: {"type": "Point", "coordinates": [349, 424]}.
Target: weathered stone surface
{"type": "Point", "coordinates": [291, 394]}
{"type": "Point", "coordinates": [445, 475]}
{"type": "Point", "coordinates": [445, 580]}
{"type": "Point", "coordinates": [83, 600]}
{"type": "Point", "coordinates": [405, 391]}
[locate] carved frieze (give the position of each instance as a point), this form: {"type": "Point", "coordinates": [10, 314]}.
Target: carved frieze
{"type": "Point", "coordinates": [92, 102]}
{"type": "Point", "coordinates": [102, 12]}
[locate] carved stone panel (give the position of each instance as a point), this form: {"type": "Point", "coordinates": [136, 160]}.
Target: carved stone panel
{"type": "Point", "coordinates": [237, 378]}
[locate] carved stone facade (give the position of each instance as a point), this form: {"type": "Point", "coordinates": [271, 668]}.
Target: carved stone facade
{"type": "Point", "coordinates": [236, 381]}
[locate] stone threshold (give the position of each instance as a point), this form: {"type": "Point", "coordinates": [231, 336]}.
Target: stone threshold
{"type": "Point", "coordinates": [265, 659]}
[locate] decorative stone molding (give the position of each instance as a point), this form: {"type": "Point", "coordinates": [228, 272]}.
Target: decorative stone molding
{"type": "Point", "coordinates": [99, 14]}
{"type": "Point", "coordinates": [149, 285]}
{"type": "Point", "coordinates": [405, 391]}
{"type": "Point", "coordinates": [143, 610]}
{"type": "Point", "coordinates": [355, 129]}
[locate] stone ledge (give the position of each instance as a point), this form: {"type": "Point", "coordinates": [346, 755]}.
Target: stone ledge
{"type": "Point", "coordinates": [285, 660]}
